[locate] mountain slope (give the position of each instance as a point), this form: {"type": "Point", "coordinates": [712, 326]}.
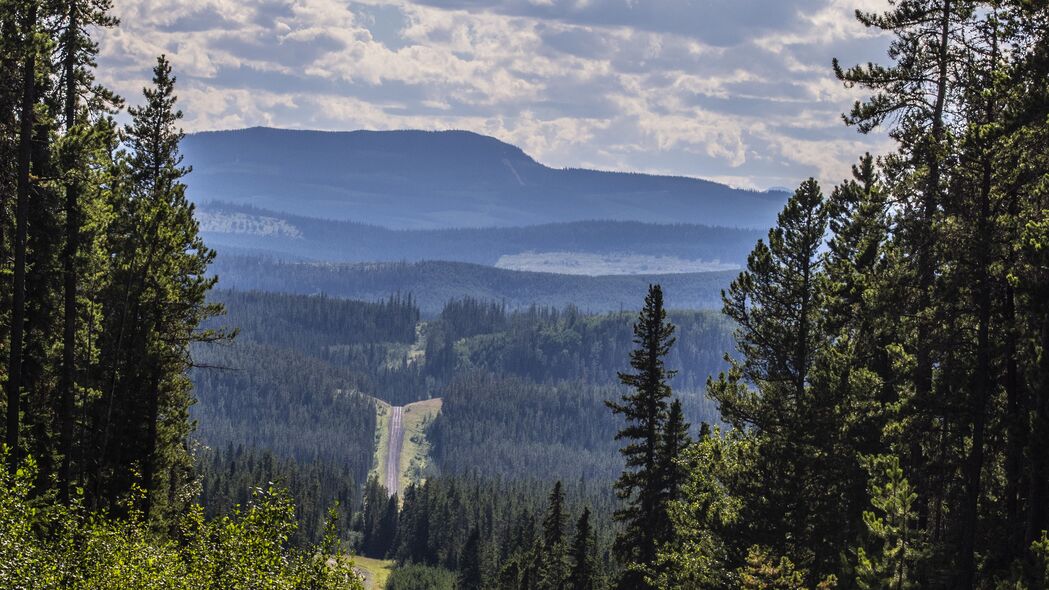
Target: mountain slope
{"type": "Point", "coordinates": [421, 179]}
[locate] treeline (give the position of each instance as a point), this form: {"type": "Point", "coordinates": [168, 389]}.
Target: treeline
{"type": "Point", "coordinates": [243, 227]}
{"type": "Point", "coordinates": [105, 275]}
{"type": "Point", "coordinates": [356, 346]}
{"type": "Point", "coordinates": [230, 478]}
{"type": "Point", "coordinates": [105, 281]}
{"type": "Point", "coordinates": [887, 405]}
{"type": "Point", "coordinates": [547, 344]}
{"type": "Point", "coordinates": [435, 283]}
{"type": "Point", "coordinates": [493, 532]}
{"type": "Point", "coordinates": [296, 406]}
{"type": "Point", "coordinates": [315, 323]}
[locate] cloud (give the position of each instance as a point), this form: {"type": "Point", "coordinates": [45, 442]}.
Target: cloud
{"type": "Point", "coordinates": [734, 90]}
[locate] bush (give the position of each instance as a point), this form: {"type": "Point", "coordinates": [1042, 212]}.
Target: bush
{"type": "Point", "coordinates": [420, 577]}
{"type": "Point", "coordinates": [45, 545]}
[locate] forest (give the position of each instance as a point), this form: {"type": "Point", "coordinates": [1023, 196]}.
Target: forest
{"type": "Point", "coordinates": [434, 283]}
{"type": "Point", "coordinates": [870, 409]}
{"type": "Point", "coordinates": [105, 288]}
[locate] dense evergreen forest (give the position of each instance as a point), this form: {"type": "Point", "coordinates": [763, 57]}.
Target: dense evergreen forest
{"type": "Point", "coordinates": [523, 390]}
{"type": "Point", "coordinates": [434, 283]}
{"type": "Point", "coordinates": [887, 410]}
{"type": "Point", "coordinates": [105, 284]}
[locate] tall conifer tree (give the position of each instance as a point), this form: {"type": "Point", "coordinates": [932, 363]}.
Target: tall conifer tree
{"type": "Point", "coordinates": [776, 305]}
{"type": "Point", "coordinates": [640, 486]}
{"type": "Point", "coordinates": [584, 570]}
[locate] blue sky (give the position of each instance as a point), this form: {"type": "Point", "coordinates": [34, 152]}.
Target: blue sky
{"type": "Point", "coordinates": [738, 91]}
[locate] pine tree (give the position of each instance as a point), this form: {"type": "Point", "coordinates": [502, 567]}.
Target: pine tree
{"type": "Point", "coordinates": [470, 577]}
{"type": "Point", "coordinates": [672, 471]}
{"type": "Point", "coordinates": [889, 566]}
{"type": "Point", "coordinates": [555, 559]}
{"type": "Point", "coordinates": [151, 308]}
{"type": "Point", "coordinates": [640, 486]}
{"type": "Point", "coordinates": [584, 575]}
{"type": "Point", "coordinates": [918, 91]}
{"type": "Point", "coordinates": [854, 374]}
{"type": "Point", "coordinates": [27, 127]}
{"type": "Point", "coordinates": [78, 51]}
{"type": "Point", "coordinates": [776, 305]}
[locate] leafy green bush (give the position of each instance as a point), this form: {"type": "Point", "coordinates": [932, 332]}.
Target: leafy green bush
{"type": "Point", "coordinates": [420, 577]}
{"type": "Point", "coordinates": [45, 545]}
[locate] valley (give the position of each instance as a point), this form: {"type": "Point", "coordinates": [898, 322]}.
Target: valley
{"type": "Point", "coordinates": [507, 338]}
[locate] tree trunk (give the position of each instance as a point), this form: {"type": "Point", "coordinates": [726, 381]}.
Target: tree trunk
{"type": "Point", "coordinates": [69, 254]}
{"type": "Point", "coordinates": [929, 202]}
{"type": "Point", "coordinates": [25, 156]}
{"type": "Point", "coordinates": [1036, 498]}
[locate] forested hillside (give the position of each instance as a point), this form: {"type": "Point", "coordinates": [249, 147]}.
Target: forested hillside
{"type": "Point", "coordinates": [232, 229]}
{"type": "Point", "coordinates": [523, 391]}
{"type": "Point", "coordinates": [432, 284]}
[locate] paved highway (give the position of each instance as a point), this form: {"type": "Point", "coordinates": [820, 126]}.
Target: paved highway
{"type": "Point", "coordinates": [393, 454]}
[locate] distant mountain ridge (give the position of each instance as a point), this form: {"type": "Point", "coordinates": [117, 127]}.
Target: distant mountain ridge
{"type": "Point", "coordinates": [242, 229]}
{"type": "Point", "coordinates": [444, 179]}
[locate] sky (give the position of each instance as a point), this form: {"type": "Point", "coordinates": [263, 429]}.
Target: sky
{"type": "Point", "coordinates": [737, 91]}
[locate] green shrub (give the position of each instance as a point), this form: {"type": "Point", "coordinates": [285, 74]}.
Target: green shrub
{"type": "Point", "coordinates": [420, 577]}
{"type": "Point", "coordinates": [46, 545]}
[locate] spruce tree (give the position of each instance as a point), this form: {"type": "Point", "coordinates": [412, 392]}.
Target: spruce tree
{"type": "Point", "coordinates": [470, 577]}
{"type": "Point", "coordinates": [640, 487]}
{"type": "Point", "coordinates": [584, 575]}
{"type": "Point", "coordinates": [388, 528]}
{"type": "Point", "coordinates": [672, 471]}
{"type": "Point", "coordinates": [555, 520]}
{"type": "Point", "coordinates": [555, 559]}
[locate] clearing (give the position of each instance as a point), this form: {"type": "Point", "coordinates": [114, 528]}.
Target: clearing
{"type": "Point", "coordinates": [401, 448]}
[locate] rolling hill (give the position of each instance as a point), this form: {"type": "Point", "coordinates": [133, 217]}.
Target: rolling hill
{"type": "Point", "coordinates": [432, 284]}
{"type": "Point", "coordinates": [233, 229]}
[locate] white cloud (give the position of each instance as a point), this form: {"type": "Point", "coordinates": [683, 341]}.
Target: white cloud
{"type": "Point", "coordinates": [735, 90]}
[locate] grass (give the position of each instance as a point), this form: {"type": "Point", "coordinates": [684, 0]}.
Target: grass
{"type": "Point", "coordinates": [415, 455]}
{"type": "Point", "coordinates": [376, 571]}
{"type": "Point", "coordinates": [382, 436]}
{"type": "Point", "coordinates": [416, 450]}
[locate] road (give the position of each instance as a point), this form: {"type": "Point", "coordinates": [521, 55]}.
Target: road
{"type": "Point", "coordinates": [393, 454]}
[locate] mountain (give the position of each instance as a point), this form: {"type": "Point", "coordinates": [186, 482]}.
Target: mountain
{"type": "Point", "coordinates": [582, 247]}
{"type": "Point", "coordinates": [433, 284]}
{"type": "Point", "coordinates": [444, 179]}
